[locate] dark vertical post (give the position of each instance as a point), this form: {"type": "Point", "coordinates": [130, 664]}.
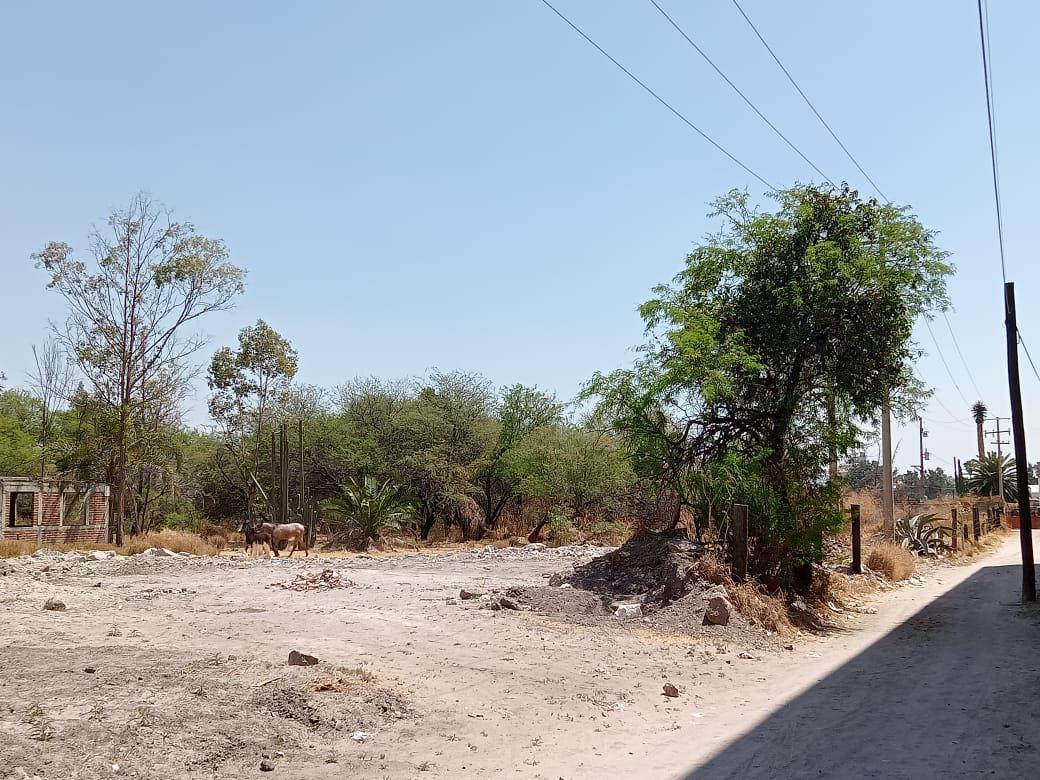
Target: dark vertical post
{"type": "Point", "coordinates": [1018, 428]}
{"type": "Point", "coordinates": [740, 542]}
{"type": "Point", "coordinates": [976, 524]}
{"type": "Point", "coordinates": [955, 531]}
{"type": "Point", "coordinates": [303, 478]}
{"type": "Point", "coordinates": [274, 480]}
{"type": "Point", "coordinates": [857, 550]}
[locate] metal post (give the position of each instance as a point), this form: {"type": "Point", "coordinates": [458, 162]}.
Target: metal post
{"type": "Point", "coordinates": [740, 542]}
{"type": "Point", "coordinates": [857, 564]}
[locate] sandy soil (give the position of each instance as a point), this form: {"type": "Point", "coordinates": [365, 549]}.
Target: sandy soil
{"type": "Point", "coordinates": [169, 668]}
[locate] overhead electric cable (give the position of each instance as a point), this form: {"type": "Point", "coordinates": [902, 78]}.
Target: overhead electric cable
{"type": "Point", "coordinates": [737, 89]}
{"type": "Point", "coordinates": [987, 74]}
{"type": "Point", "coordinates": [945, 364]}
{"type": "Point", "coordinates": [992, 142]}
{"type": "Point", "coordinates": [657, 97]}
{"type": "Point", "coordinates": [809, 102]}
{"type": "Point", "coordinates": [960, 354]}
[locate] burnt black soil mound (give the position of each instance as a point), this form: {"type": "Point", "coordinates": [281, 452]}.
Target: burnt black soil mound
{"type": "Point", "coordinates": [658, 566]}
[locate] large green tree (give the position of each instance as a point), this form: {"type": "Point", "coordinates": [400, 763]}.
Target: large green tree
{"type": "Point", "coordinates": [245, 383]}
{"type": "Point", "coordinates": [773, 319]}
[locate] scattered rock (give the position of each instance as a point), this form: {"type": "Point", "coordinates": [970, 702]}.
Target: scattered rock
{"type": "Point", "coordinates": [266, 766]}
{"type": "Point", "coordinates": [799, 605]}
{"type": "Point", "coordinates": [160, 552]}
{"type": "Point", "coordinates": [628, 611]}
{"type": "Point", "coordinates": [54, 605]}
{"type": "Point", "coordinates": [301, 659]}
{"type": "Point", "coordinates": [494, 606]}
{"type": "Point", "coordinates": [466, 595]}
{"type": "Point", "coordinates": [451, 601]}
{"type": "Point", "coordinates": [507, 603]}
{"type": "Point", "coordinates": [90, 669]}
{"type": "Point", "coordinates": [100, 555]}
{"type": "Point", "coordinates": [557, 579]}
{"type": "Point", "coordinates": [670, 690]}
{"type": "Point", "coordinates": [717, 611]}
{"type": "Point", "coordinates": [747, 656]}
{"type": "Point", "coordinates": [789, 647]}
{"type": "Point", "coordinates": [360, 736]}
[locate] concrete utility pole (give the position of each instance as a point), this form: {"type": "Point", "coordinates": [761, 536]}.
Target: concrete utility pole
{"type": "Point", "coordinates": [1000, 454]}
{"type": "Point", "coordinates": [924, 455]}
{"type": "Point", "coordinates": [888, 508]}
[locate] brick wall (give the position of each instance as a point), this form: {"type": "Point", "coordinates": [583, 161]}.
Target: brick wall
{"type": "Point", "coordinates": [51, 508]}
{"type": "Point", "coordinates": [55, 535]}
{"type": "Point", "coordinates": [97, 512]}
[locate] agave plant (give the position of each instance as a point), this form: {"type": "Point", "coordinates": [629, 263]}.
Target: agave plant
{"type": "Point", "coordinates": [369, 507]}
{"type": "Point", "coordinates": [920, 534]}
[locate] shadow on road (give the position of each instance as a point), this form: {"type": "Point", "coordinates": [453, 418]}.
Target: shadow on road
{"type": "Point", "coordinates": [952, 692]}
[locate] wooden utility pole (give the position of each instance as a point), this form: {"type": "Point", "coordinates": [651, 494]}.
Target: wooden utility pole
{"type": "Point", "coordinates": [1018, 427]}
{"type": "Point", "coordinates": [1000, 454]}
{"type": "Point", "coordinates": [888, 509]}
{"type": "Point", "coordinates": [857, 564]}
{"type": "Point", "coordinates": [740, 542]}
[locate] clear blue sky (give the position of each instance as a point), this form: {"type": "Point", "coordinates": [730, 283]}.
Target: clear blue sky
{"type": "Point", "coordinates": [468, 184]}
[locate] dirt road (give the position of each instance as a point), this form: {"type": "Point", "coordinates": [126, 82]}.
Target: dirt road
{"type": "Point", "coordinates": [171, 668]}
{"type": "Point", "coordinates": [941, 683]}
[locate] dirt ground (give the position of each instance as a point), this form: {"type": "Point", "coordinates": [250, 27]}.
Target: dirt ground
{"type": "Point", "coordinates": [166, 667]}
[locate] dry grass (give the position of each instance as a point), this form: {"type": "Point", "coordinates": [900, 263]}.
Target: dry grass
{"type": "Point", "coordinates": [768, 612]}
{"type": "Point", "coordinates": [177, 541]}
{"type": "Point", "coordinates": [891, 560]}
{"type": "Point", "coordinates": [760, 608]}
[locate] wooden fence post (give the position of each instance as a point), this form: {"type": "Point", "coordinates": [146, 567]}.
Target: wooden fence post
{"type": "Point", "coordinates": [740, 542]}
{"type": "Point", "coordinates": [857, 563]}
{"type": "Point", "coordinates": [976, 523]}
{"type": "Point", "coordinates": [954, 530]}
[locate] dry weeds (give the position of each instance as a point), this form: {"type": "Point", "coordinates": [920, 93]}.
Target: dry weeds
{"type": "Point", "coordinates": [891, 560]}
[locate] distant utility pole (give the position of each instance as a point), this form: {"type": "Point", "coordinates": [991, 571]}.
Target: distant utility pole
{"type": "Point", "coordinates": [925, 456]}
{"type": "Point", "coordinates": [1000, 454]}
{"type": "Point", "coordinates": [888, 509]}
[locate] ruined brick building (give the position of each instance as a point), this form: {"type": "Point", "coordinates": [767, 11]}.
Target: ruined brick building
{"type": "Point", "coordinates": [53, 511]}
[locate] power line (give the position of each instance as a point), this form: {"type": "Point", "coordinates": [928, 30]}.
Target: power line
{"type": "Point", "coordinates": [737, 89]}
{"type": "Point", "coordinates": [992, 140]}
{"type": "Point", "coordinates": [945, 364]}
{"type": "Point", "coordinates": [809, 102]}
{"type": "Point", "coordinates": [961, 355]}
{"type": "Point", "coordinates": [1030, 357]}
{"type": "Point", "coordinates": [854, 162]}
{"type": "Point", "coordinates": [987, 74]}
{"type": "Point", "coordinates": [657, 97]}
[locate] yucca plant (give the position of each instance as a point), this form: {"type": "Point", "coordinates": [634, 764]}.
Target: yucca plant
{"type": "Point", "coordinates": [920, 534]}
{"type": "Point", "coordinates": [984, 479]}
{"type": "Point", "coordinates": [368, 508]}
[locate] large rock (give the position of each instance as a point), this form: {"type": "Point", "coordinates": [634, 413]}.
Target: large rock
{"type": "Point", "coordinates": [628, 611]}
{"type": "Point", "coordinates": [717, 610]}
{"type": "Point", "coordinates": [54, 605]}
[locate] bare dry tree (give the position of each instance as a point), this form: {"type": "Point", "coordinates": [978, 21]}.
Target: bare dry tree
{"type": "Point", "coordinates": [131, 308]}
{"type": "Point", "coordinates": [50, 382]}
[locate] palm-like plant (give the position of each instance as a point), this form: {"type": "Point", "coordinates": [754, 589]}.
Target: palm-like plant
{"type": "Point", "coordinates": [984, 475]}
{"type": "Point", "coordinates": [369, 507]}
{"type": "Point", "coordinates": [978, 411]}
